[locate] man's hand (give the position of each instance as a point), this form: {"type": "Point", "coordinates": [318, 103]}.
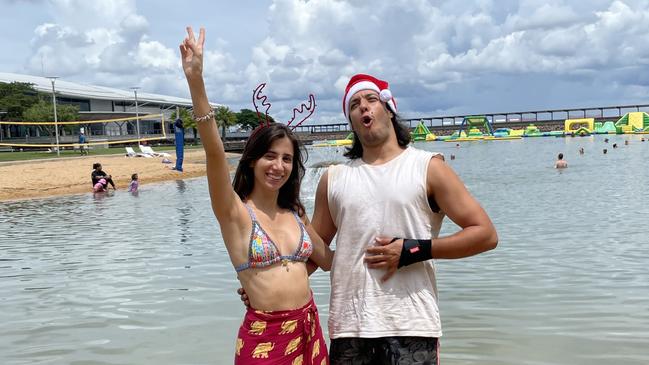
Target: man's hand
{"type": "Point", "coordinates": [384, 256]}
{"type": "Point", "coordinates": [244, 297]}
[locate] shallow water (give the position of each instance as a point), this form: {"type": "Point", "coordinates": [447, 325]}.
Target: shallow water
{"type": "Point", "coordinates": [122, 279]}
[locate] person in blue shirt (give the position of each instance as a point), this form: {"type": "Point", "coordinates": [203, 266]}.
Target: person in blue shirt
{"type": "Point", "coordinates": [179, 134]}
{"type": "Point", "coordinates": [82, 144]}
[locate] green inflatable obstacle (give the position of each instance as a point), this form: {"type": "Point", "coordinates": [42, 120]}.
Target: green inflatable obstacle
{"type": "Point", "coordinates": [420, 132]}
{"type": "Point", "coordinates": [532, 131]}
{"type": "Point", "coordinates": [607, 127]}
{"type": "Point", "coordinates": [632, 122]}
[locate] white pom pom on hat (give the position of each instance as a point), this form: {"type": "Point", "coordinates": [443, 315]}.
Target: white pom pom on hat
{"type": "Point", "coordinates": [361, 82]}
{"type": "Point", "coordinates": [385, 95]}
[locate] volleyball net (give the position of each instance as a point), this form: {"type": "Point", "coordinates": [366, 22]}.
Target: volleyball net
{"type": "Point", "coordinates": [150, 127]}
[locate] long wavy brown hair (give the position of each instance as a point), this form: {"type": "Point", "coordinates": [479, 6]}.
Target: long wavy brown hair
{"type": "Point", "coordinates": [257, 145]}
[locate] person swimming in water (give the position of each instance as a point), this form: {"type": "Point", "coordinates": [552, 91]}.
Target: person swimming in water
{"type": "Point", "coordinates": [560, 163]}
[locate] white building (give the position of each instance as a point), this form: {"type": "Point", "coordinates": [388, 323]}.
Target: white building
{"type": "Point", "coordinates": [100, 102]}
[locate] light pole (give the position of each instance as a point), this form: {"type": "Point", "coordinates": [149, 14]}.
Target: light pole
{"type": "Point", "coordinates": [56, 122]}
{"type": "Point", "coordinates": [137, 113]}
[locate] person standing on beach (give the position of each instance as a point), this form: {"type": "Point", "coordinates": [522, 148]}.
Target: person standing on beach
{"type": "Point", "coordinates": [265, 230]}
{"type": "Point", "coordinates": [82, 144]}
{"type": "Point", "coordinates": [179, 140]}
{"type": "Point", "coordinates": [560, 163]}
{"type": "Point", "coordinates": [385, 206]}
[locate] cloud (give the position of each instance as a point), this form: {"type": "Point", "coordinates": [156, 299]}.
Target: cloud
{"type": "Point", "coordinates": [439, 57]}
{"type": "Point", "coordinates": [99, 37]}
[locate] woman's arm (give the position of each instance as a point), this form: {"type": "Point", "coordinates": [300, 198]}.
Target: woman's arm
{"type": "Point", "coordinates": [225, 202]}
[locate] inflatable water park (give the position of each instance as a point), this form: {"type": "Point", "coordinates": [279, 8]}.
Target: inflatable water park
{"type": "Point", "coordinates": [480, 128]}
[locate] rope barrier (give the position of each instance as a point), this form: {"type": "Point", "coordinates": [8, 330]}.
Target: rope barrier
{"type": "Point", "coordinates": [150, 116]}
{"type": "Point", "coordinates": [89, 143]}
{"type": "Point", "coordinates": [52, 145]}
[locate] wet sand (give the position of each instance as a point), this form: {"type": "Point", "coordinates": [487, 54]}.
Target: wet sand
{"type": "Point", "coordinates": [38, 178]}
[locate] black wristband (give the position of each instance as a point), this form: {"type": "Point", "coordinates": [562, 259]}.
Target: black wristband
{"type": "Point", "coordinates": [415, 251]}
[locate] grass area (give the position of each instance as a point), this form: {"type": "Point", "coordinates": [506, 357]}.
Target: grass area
{"type": "Point", "coordinates": [38, 155]}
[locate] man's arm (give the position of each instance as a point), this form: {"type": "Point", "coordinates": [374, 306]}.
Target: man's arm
{"type": "Point", "coordinates": [321, 221]}
{"type": "Point", "coordinates": [477, 233]}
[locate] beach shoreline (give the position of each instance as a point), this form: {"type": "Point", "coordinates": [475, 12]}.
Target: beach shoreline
{"type": "Point", "coordinates": [24, 180]}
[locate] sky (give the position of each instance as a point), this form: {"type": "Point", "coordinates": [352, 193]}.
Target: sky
{"type": "Point", "coordinates": [440, 57]}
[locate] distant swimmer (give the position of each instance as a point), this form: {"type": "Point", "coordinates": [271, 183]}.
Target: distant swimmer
{"type": "Point", "coordinates": [605, 140]}
{"type": "Point", "coordinates": [614, 145]}
{"type": "Point", "coordinates": [626, 142]}
{"type": "Point", "coordinates": [581, 150]}
{"type": "Point", "coordinates": [561, 163]}
{"type": "Point", "coordinates": [452, 157]}
{"type": "Point", "coordinates": [605, 151]}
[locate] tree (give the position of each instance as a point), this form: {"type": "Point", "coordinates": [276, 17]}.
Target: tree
{"type": "Point", "coordinates": [188, 122]}
{"type": "Point", "coordinates": [43, 111]}
{"type": "Point", "coordinates": [224, 118]}
{"type": "Point", "coordinates": [15, 98]}
{"type": "Point", "coordinates": [248, 119]}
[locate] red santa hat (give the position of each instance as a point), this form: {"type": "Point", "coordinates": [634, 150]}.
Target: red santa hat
{"type": "Point", "coordinates": [360, 82]}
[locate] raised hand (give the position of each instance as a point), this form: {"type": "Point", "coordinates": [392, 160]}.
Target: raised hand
{"type": "Point", "coordinates": [191, 52]}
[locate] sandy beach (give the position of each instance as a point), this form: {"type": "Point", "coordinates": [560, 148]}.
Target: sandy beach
{"type": "Point", "coordinates": [37, 178]}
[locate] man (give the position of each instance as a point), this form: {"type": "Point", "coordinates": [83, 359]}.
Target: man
{"type": "Point", "coordinates": [561, 163]}
{"type": "Point", "coordinates": [383, 307]}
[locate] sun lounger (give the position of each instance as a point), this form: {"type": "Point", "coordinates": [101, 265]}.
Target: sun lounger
{"type": "Point", "coordinates": [130, 152]}
{"type": "Point", "coordinates": [147, 150]}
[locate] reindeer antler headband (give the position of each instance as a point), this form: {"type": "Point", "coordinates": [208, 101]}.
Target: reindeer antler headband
{"type": "Point", "coordinates": [265, 122]}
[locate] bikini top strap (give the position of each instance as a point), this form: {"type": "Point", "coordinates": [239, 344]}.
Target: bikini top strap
{"type": "Point", "coordinates": [303, 230]}
{"type": "Point", "coordinates": [298, 219]}
{"type": "Point", "coordinates": [250, 212]}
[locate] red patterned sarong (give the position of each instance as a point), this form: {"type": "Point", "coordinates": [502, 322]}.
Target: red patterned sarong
{"type": "Point", "coordinates": [291, 337]}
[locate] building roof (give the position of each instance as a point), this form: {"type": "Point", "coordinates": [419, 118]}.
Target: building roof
{"type": "Point", "coordinates": [75, 90]}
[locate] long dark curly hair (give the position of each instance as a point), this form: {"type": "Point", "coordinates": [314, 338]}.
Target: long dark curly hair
{"type": "Point", "coordinates": [257, 145]}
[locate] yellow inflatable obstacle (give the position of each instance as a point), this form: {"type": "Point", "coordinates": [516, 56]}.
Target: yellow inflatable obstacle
{"type": "Point", "coordinates": [582, 124]}
{"type": "Point", "coordinates": [635, 122]}
{"type": "Point", "coordinates": [335, 142]}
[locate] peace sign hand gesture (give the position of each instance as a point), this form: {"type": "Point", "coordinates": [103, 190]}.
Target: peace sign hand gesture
{"type": "Point", "coordinates": [191, 52]}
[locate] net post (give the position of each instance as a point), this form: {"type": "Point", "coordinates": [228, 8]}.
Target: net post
{"type": "Point", "coordinates": [56, 123]}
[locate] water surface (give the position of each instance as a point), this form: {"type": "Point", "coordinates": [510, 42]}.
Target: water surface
{"type": "Point", "coordinates": [122, 279]}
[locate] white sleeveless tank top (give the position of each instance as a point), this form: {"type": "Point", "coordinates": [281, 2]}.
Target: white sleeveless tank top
{"type": "Point", "coordinates": [390, 200]}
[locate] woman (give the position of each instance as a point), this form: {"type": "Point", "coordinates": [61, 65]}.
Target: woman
{"type": "Point", "coordinates": [98, 173]}
{"type": "Point", "coordinates": [265, 231]}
